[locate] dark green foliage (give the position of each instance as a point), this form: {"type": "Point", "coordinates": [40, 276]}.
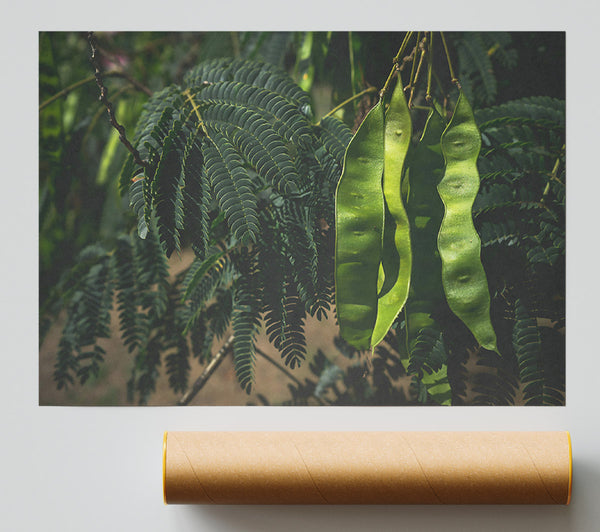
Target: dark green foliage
{"type": "Point", "coordinates": [541, 370]}
{"type": "Point", "coordinates": [88, 320]}
{"type": "Point", "coordinates": [428, 353]}
{"type": "Point", "coordinates": [521, 204]}
{"type": "Point", "coordinates": [237, 171]}
{"type": "Point", "coordinates": [246, 319]}
{"type": "Point", "coordinates": [232, 187]}
{"type": "Point", "coordinates": [477, 52]}
{"type": "Point", "coordinates": [520, 215]}
{"type": "Point", "coordinates": [235, 152]}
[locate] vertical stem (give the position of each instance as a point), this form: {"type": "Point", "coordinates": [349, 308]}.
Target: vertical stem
{"type": "Point", "coordinates": [235, 43]}
{"type": "Point", "coordinates": [347, 101]}
{"type": "Point", "coordinates": [414, 64]}
{"type": "Point", "coordinates": [351, 57]}
{"type": "Point", "coordinates": [396, 60]}
{"type": "Point", "coordinates": [109, 108]}
{"type": "Point", "coordinates": [422, 45]}
{"type": "Point", "coordinates": [452, 76]}
{"type": "Point", "coordinates": [430, 69]}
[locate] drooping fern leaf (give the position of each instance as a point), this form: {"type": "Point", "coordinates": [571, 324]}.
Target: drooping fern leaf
{"type": "Point", "coordinates": [232, 187]}
{"type": "Point", "coordinates": [167, 193]}
{"type": "Point", "coordinates": [542, 383]}
{"type": "Point", "coordinates": [88, 319]}
{"type": "Point", "coordinates": [196, 195]}
{"type": "Point", "coordinates": [245, 319]}
{"type": "Point", "coordinates": [476, 52]}
{"type": "Point", "coordinates": [258, 143]}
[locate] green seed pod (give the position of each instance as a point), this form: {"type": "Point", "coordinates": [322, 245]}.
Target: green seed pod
{"type": "Point", "coordinates": [425, 212]}
{"type": "Point", "coordinates": [463, 276]}
{"type": "Point", "coordinates": [394, 274]}
{"type": "Point", "coordinates": [359, 213]}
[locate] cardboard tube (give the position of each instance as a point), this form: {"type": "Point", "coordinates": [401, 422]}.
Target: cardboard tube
{"type": "Point", "coordinates": [367, 467]}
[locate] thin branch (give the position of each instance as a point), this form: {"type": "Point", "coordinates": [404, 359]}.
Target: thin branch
{"type": "Point", "coordinates": [346, 102]}
{"type": "Point", "coordinates": [395, 66]}
{"type": "Point", "coordinates": [99, 112]}
{"type": "Point", "coordinates": [214, 363]}
{"type": "Point", "coordinates": [81, 82]}
{"type": "Point", "coordinates": [413, 67]}
{"type": "Point", "coordinates": [454, 78]}
{"type": "Point", "coordinates": [430, 68]}
{"type": "Point", "coordinates": [351, 58]}
{"type": "Point", "coordinates": [104, 99]}
{"type": "Point", "coordinates": [422, 46]}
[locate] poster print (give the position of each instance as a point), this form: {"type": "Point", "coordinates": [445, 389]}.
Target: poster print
{"type": "Point", "coordinates": [302, 218]}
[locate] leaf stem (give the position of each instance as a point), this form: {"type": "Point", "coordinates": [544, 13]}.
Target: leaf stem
{"type": "Point", "coordinates": [98, 114]}
{"type": "Point", "coordinates": [414, 63]}
{"type": "Point", "coordinates": [196, 110]}
{"type": "Point", "coordinates": [452, 76]}
{"type": "Point", "coordinates": [422, 46]}
{"type": "Point", "coordinates": [430, 68]}
{"type": "Point", "coordinates": [395, 67]}
{"type": "Point", "coordinates": [346, 102]}
{"type": "Point", "coordinates": [351, 58]}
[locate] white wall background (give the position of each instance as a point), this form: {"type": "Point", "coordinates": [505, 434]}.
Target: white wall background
{"type": "Point", "coordinates": [99, 469]}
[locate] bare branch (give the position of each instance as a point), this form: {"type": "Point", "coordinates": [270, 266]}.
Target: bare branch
{"type": "Point", "coordinates": [214, 363]}
{"type": "Point", "coordinates": [104, 99]}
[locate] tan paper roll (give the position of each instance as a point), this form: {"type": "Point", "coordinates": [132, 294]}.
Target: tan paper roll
{"type": "Point", "coordinates": [367, 467]}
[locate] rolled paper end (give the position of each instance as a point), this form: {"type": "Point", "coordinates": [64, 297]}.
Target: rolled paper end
{"type": "Point", "coordinates": [367, 468]}
{"type": "Point", "coordinates": [164, 467]}
{"type": "Point", "coordinates": [570, 467]}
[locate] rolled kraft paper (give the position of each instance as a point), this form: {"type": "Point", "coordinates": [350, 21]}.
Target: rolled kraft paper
{"type": "Point", "coordinates": [367, 467]}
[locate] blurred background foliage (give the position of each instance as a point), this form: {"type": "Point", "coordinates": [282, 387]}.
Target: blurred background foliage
{"type": "Point", "coordinates": [80, 155]}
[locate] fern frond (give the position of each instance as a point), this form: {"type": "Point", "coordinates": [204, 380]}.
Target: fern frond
{"type": "Point", "coordinates": [257, 142]}
{"type": "Point", "coordinates": [127, 293]}
{"type": "Point", "coordinates": [335, 136]}
{"type": "Point", "coordinates": [196, 195]}
{"type": "Point", "coordinates": [541, 109]}
{"type": "Point", "coordinates": [292, 342]}
{"type": "Point", "coordinates": [246, 321]}
{"type": "Point", "coordinates": [152, 272]}
{"type": "Point", "coordinates": [476, 70]}
{"type": "Point", "coordinates": [157, 116]}
{"type": "Point", "coordinates": [497, 384]}
{"type": "Point", "coordinates": [145, 372]}
{"type": "Point", "coordinates": [428, 353]}
{"type": "Point", "coordinates": [543, 384]}
{"type": "Point", "coordinates": [178, 366]}
{"type": "Point", "coordinates": [167, 193]}
{"type": "Point", "coordinates": [497, 43]}
{"type": "Point", "coordinates": [232, 186]}
{"type": "Point", "coordinates": [202, 280]}
{"type": "Point", "coordinates": [285, 117]}
{"type": "Point", "coordinates": [88, 319]}
{"type": "Point", "coordinates": [137, 203]}
{"type": "Point", "coordinates": [219, 313]}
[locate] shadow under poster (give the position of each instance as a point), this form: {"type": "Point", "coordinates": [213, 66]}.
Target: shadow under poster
{"type": "Point", "coordinates": [302, 218]}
